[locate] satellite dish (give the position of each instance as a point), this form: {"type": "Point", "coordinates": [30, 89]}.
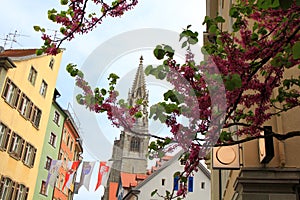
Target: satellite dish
{"type": "Point", "coordinates": [1, 49]}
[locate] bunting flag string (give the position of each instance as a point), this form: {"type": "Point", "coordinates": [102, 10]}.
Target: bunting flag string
{"type": "Point", "coordinates": [71, 167]}
{"type": "Point", "coordinates": [53, 172]}
{"type": "Point", "coordinates": [103, 170]}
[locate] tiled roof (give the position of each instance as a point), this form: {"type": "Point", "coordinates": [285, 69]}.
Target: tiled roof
{"type": "Point", "coordinates": [127, 179]}
{"type": "Point", "coordinates": [113, 187]}
{"type": "Point", "coordinates": [166, 158]}
{"type": "Point", "coordinates": [141, 176]}
{"type": "Point", "coordinates": [17, 52]}
{"type": "Point", "coordinates": [131, 180]}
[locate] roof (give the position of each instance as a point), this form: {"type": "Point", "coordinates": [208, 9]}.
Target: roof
{"type": "Point", "coordinates": [17, 52]}
{"type": "Point", "coordinates": [165, 165]}
{"type": "Point", "coordinates": [113, 187]}
{"type": "Point", "coordinates": [6, 62]}
{"type": "Point", "coordinates": [131, 180]}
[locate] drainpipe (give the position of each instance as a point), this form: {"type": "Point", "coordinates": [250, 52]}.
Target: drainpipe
{"type": "Point", "coordinates": [220, 185]}
{"type": "Point", "coordinates": [281, 144]}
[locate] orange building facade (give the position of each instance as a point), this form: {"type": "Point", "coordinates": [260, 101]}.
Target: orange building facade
{"type": "Point", "coordinates": [70, 150]}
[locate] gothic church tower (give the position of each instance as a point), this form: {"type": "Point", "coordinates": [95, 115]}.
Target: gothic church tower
{"type": "Point", "coordinates": [130, 151]}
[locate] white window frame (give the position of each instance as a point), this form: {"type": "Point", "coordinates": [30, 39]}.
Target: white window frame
{"type": "Point", "coordinates": [52, 139]}
{"type": "Point", "coordinates": [29, 155]}
{"type": "Point", "coordinates": [32, 75]}
{"type": "Point", "coordinates": [43, 88]}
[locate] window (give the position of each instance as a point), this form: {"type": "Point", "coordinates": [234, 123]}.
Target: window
{"type": "Point", "coordinates": [6, 188]}
{"type": "Point", "coordinates": [16, 146]}
{"type": "Point", "coordinates": [64, 135]}
{"type": "Point", "coordinates": [11, 93]}
{"type": "Point", "coordinates": [4, 136]}
{"type": "Point", "coordinates": [68, 140]}
{"type": "Point", "coordinates": [182, 162]}
{"type": "Point", "coordinates": [61, 182]}
{"type": "Point", "coordinates": [163, 181]}
{"type": "Point", "coordinates": [51, 63]}
{"type": "Point", "coordinates": [44, 188]}
{"type": "Point", "coordinates": [29, 155]}
{"type": "Point", "coordinates": [43, 88]}
{"type": "Point", "coordinates": [52, 140]}
{"type": "Point", "coordinates": [32, 75]}
{"type": "Point", "coordinates": [179, 184]}
{"type": "Point", "coordinates": [135, 144]}
{"type": "Point", "coordinates": [71, 145]}
{"type": "Point", "coordinates": [56, 118]}
{"type": "Point", "coordinates": [202, 185]}
{"type": "Point", "coordinates": [21, 192]}
{"type": "Point", "coordinates": [36, 116]}
{"type": "Point", "coordinates": [48, 163]}
{"type": "Point", "coordinates": [25, 106]}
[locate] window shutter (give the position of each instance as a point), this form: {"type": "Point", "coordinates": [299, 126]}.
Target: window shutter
{"type": "Point", "coordinates": [20, 148]}
{"type": "Point", "coordinates": [6, 139]}
{"type": "Point", "coordinates": [191, 184]}
{"type": "Point", "coordinates": [16, 97]}
{"type": "Point", "coordinates": [176, 180]}
{"type": "Point", "coordinates": [12, 142]}
{"type": "Point", "coordinates": [25, 153]}
{"type": "Point", "coordinates": [33, 157]}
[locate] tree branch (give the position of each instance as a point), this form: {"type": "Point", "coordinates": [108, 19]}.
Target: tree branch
{"type": "Point", "coordinates": [275, 135]}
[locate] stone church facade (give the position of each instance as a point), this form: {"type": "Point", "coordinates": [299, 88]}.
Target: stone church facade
{"type": "Point", "coordinates": [129, 153]}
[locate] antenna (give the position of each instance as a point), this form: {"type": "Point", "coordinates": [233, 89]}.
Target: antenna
{"type": "Point", "coordinates": [54, 35]}
{"type": "Point", "coordinates": [11, 37]}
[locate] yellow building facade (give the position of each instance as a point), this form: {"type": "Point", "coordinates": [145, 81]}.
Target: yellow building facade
{"type": "Point", "coordinates": [26, 98]}
{"type": "Point", "coordinates": [278, 179]}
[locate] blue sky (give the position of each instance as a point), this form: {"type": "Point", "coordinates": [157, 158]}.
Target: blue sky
{"type": "Point", "coordinates": [96, 54]}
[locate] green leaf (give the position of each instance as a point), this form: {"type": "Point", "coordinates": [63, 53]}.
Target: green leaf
{"type": "Point", "coordinates": [233, 12]}
{"type": "Point", "coordinates": [36, 28]}
{"type": "Point", "coordinates": [176, 174]}
{"type": "Point", "coordinates": [232, 82]}
{"type": "Point", "coordinates": [161, 75]}
{"type": "Point", "coordinates": [63, 2]}
{"type": "Point", "coordinates": [184, 44]}
{"type": "Point", "coordinates": [153, 193]}
{"type": "Point", "coordinates": [254, 37]}
{"type": "Point", "coordinates": [220, 19]}
{"type": "Point", "coordinates": [103, 91]}
{"type": "Point", "coordinates": [213, 29]}
{"type": "Point", "coordinates": [264, 4]}
{"type": "Point", "coordinates": [285, 4]}
{"type": "Point", "coordinates": [296, 50]}
{"type": "Point", "coordinates": [298, 2]}
{"type": "Point", "coordinates": [138, 114]}
{"type": "Point", "coordinates": [148, 69]}
{"type": "Point", "coordinates": [39, 52]}
{"type": "Point", "coordinates": [159, 53]}
{"type": "Point", "coordinates": [183, 179]}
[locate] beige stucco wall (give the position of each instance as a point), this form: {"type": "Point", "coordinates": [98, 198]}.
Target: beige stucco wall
{"type": "Point", "coordinates": [10, 167]}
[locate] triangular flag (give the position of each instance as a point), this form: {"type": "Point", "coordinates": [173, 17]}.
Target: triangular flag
{"type": "Point", "coordinates": [103, 169]}
{"type": "Point", "coordinates": [53, 172]}
{"type": "Point", "coordinates": [72, 167]}
{"type": "Point", "coordinates": [86, 172]}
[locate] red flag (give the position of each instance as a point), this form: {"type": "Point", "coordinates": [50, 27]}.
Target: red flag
{"type": "Point", "coordinates": [73, 166]}
{"type": "Point", "coordinates": [103, 169]}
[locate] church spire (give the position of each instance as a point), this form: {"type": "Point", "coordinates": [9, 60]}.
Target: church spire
{"type": "Point", "coordinates": [138, 90]}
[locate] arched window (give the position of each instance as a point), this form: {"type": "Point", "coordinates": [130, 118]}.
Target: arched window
{"type": "Point", "coordinates": [135, 144]}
